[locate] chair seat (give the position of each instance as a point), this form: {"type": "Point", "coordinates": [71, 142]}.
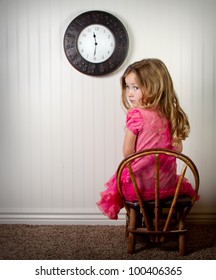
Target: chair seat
{"type": "Point", "coordinates": [182, 202]}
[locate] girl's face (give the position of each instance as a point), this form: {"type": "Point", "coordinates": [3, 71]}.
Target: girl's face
{"type": "Point", "coordinates": [133, 91]}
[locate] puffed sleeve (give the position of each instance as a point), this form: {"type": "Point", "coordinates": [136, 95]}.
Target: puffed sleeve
{"type": "Point", "coordinates": [134, 120]}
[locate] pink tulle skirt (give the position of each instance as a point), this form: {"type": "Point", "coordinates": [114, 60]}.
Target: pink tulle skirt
{"type": "Point", "coordinates": [111, 203]}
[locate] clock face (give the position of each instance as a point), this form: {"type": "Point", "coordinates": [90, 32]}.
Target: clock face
{"type": "Point", "coordinates": [96, 43]}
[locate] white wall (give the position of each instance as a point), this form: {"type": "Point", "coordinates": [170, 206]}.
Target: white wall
{"type": "Point", "coordinates": [61, 131]}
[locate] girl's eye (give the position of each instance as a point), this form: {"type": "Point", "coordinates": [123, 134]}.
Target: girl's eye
{"type": "Point", "coordinates": [132, 88]}
{"type": "Point", "coordinates": [127, 88]}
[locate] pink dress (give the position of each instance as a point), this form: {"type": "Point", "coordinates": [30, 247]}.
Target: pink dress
{"type": "Point", "coordinates": [153, 132]}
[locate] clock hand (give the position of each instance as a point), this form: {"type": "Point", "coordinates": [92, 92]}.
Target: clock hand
{"type": "Point", "coordinates": [95, 43]}
{"type": "Point", "coordinates": [95, 38]}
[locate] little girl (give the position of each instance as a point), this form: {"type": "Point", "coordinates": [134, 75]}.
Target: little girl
{"type": "Point", "coordinates": [154, 120]}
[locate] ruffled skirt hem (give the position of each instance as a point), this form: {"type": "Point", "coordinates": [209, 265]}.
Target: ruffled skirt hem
{"type": "Point", "coordinates": [111, 202]}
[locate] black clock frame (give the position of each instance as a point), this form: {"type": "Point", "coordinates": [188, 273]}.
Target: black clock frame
{"type": "Point", "coordinates": [121, 43]}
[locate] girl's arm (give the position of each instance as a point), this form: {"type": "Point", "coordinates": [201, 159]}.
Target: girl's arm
{"type": "Point", "coordinates": [129, 143]}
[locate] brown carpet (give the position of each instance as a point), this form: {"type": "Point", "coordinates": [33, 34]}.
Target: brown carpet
{"type": "Point", "coordinates": [77, 242]}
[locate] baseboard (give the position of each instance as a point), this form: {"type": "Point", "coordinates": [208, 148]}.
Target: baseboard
{"type": "Point", "coordinates": [87, 217]}
{"type": "Point", "coordinates": [84, 217]}
{"type": "Point", "coordinates": [202, 218]}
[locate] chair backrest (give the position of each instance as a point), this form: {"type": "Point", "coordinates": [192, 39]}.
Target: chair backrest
{"type": "Point", "coordinates": [186, 164]}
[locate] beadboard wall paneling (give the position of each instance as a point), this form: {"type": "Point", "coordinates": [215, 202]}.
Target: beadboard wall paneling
{"type": "Point", "coordinates": [61, 131]}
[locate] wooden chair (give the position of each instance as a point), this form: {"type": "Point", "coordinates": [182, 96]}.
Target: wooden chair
{"type": "Point", "coordinates": [159, 218]}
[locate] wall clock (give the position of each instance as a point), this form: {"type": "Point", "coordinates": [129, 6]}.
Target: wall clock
{"type": "Point", "coordinates": [96, 43]}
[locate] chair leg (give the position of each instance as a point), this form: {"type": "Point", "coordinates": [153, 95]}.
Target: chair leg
{"type": "Point", "coordinates": [182, 244]}
{"type": "Point", "coordinates": [127, 225]}
{"type": "Point", "coordinates": [182, 236]}
{"type": "Point", "coordinates": [131, 236]}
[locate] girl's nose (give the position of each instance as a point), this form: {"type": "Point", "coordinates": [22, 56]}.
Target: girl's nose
{"type": "Point", "coordinates": [130, 92]}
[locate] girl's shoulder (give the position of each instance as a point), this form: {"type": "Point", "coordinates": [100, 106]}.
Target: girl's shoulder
{"type": "Point", "coordinates": [144, 112]}
{"type": "Point", "coordinates": [138, 110]}
{"type": "Point", "coordinates": [134, 112]}
{"type": "Point", "coordinates": [146, 115]}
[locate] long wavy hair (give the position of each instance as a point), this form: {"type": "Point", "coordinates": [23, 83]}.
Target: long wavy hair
{"type": "Point", "coordinates": [155, 82]}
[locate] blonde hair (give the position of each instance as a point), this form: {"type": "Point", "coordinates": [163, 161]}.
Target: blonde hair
{"type": "Point", "coordinates": [156, 84]}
